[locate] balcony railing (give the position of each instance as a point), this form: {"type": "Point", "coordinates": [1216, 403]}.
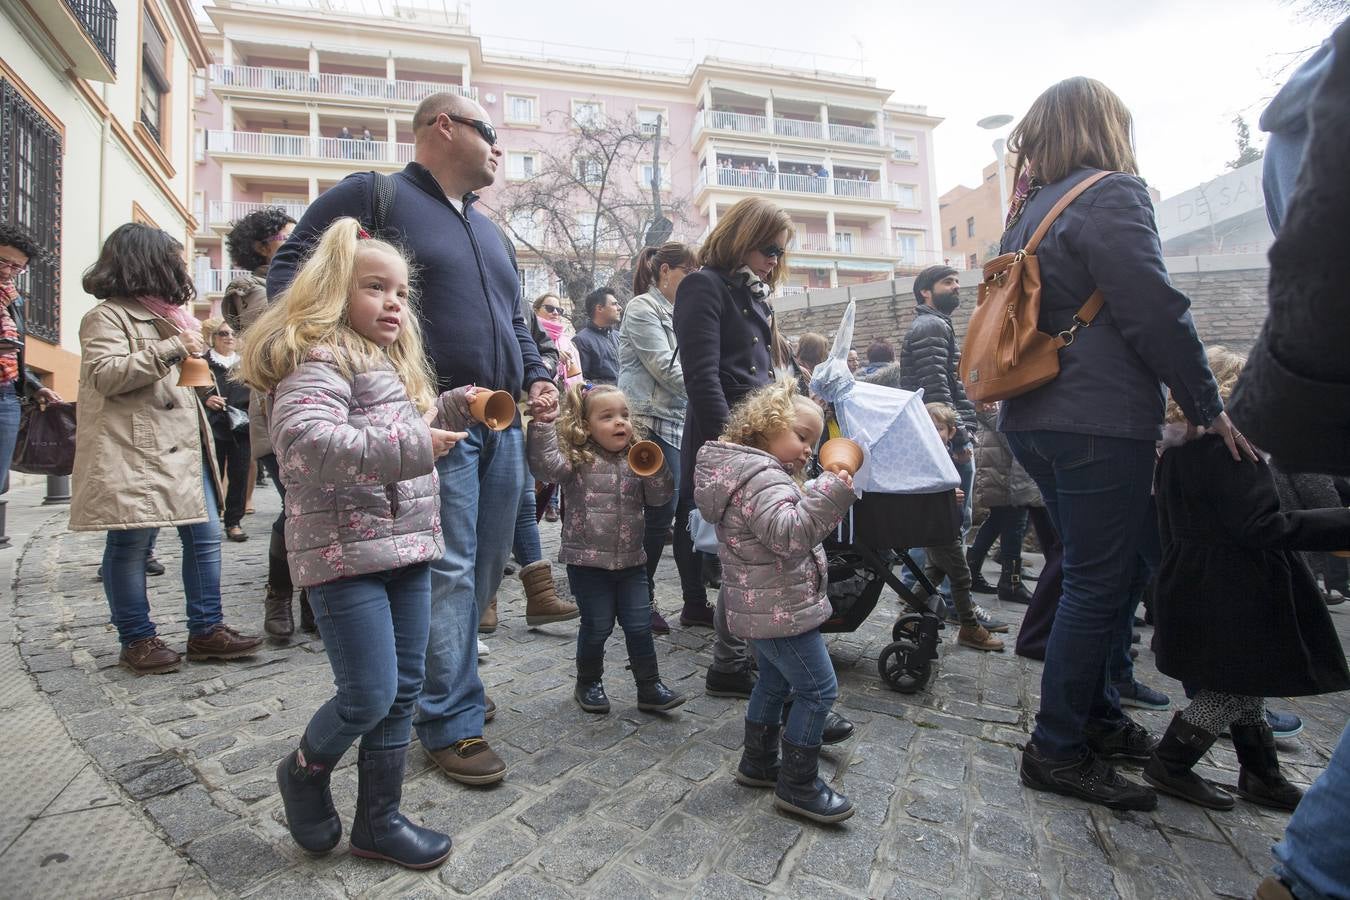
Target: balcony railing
{"type": "Point", "coordinates": [789, 128]}
{"type": "Point", "coordinates": [223, 212]}
{"type": "Point", "coordinates": [853, 134]}
{"type": "Point", "coordinates": [868, 190]}
{"type": "Point", "coordinates": [795, 184]}
{"type": "Point", "coordinates": [214, 281]}
{"type": "Point", "coordinates": [329, 84]}
{"type": "Point", "coordinates": [798, 128]}
{"type": "Point", "coordinates": [98, 18]}
{"type": "Point", "coordinates": [303, 146]}
{"type": "Point", "coordinates": [845, 245]}
{"type": "Point", "coordinates": [730, 121]}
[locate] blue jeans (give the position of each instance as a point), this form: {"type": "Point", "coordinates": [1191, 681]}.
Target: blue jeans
{"type": "Point", "coordinates": [1314, 857]}
{"type": "Point", "coordinates": [480, 500]}
{"type": "Point", "coordinates": [1121, 669]}
{"type": "Point", "coordinates": [800, 666]}
{"type": "Point", "coordinates": [525, 547]}
{"type": "Point", "coordinates": [9, 430]}
{"type": "Point", "coordinates": [967, 472]}
{"type": "Point", "coordinates": [659, 519]}
{"type": "Point", "coordinates": [604, 596]}
{"type": "Point", "coordinates": [1096, 490]}
{"type": "Point", "coordinates": [124, 556]}
{"type": "Point", "coordinates": [374, 630]}
{"type": "Point", "coordinates": [1006, 523]}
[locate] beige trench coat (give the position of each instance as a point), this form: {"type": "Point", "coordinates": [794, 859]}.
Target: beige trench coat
{"type": "Point", "coordinates": [245, 300]}
{"type": "Point", "coordinates": [139, 438]}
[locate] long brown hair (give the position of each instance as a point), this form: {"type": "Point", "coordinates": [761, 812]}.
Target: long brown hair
{"type": "Point", "coordinates": [751, 224]}
{"type": "Point", "coordinates": [1076, 123]}
{"type": "Point", "coordinates": [647, 265]}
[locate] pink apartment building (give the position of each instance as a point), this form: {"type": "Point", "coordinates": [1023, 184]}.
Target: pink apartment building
{"type": "Point", "coordinates": [853, 168]}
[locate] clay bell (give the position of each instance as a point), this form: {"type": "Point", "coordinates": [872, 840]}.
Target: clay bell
{"type": "Point", "coordinates": [645, 458]}
{"type": "Point", "coordinates": [495, 409]}
{"type": "Point", "coordinates": [841, 455]}
{"type": "Point", "coordinates": [194, 372]}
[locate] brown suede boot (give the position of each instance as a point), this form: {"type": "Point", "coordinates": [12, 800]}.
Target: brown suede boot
{"type": "Point", "coordinates": [542, 604]}
{"type": "Point", "coordinates": [487, 623]}
{"type": "Point", "coordinates": [977, 637]}
{"type": "Point", "coordinates": [278, 621]}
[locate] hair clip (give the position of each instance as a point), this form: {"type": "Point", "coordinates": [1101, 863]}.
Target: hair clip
{"type": "Point", "coordinates": [362, 234]}
{"type": "Point", "coordinates": [586, 388]}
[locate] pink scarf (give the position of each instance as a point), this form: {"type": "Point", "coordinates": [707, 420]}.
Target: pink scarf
{"type": "Point", "coordinates": [177, 314]}
{"type": "Point", "coordinates": [564, 344]}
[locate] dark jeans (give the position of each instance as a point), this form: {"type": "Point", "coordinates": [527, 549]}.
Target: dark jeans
{"type": "Point", "coordinates": [688, 561]}
{"type": "Point", "coordinates": [232, 461]}
{"type": "Point", "coordinates": [608, 595]}
{"type": "Point", "coordinates": [9, 429]}
{"type": "Point", "coordinates": [800, 666]}
{"type": "Point", "coordinates": [124, 556]}
{"type": "Point", "coordinates": [1006, 523]}
{"type": "Point", "coordinates": [278, 570]}
{"type": "Point", "coordinates": [1096, 490]}
{"type": "Point", "coordinates": [525, 547]}
{"type": "Point", "coordinates": [1121, 667]}
{"type": "Point", "coordinates": [374, 630]}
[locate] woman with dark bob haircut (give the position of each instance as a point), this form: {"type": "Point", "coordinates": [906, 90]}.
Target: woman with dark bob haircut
{"type": "Point", "coordinates": [143, 452]}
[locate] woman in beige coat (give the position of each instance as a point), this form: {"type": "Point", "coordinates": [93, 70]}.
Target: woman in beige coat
{"type": "Point", "coordinates": [143, 454]}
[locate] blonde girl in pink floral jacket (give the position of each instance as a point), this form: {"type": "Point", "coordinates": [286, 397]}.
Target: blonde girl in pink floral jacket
{"type": "Point", "coordinates": [340, 358]}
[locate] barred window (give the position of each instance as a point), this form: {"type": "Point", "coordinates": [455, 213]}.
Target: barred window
{"type": "Point", "coordinates": [30, 197]}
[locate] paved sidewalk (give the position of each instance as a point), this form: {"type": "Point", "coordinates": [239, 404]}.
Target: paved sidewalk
{"type": "Point", "coordinates": [115, 785]}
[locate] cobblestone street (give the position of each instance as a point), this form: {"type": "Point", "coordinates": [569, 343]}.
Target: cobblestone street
{"type": "Point", "coordinates": [180, 798]}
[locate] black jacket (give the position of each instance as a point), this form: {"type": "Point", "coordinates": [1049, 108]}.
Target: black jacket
{"type": "Point", "coordinates": [472, 321]}
{"type": "Point", "coordinates": [931, 359]}
{"type": "Point", "coordinates": [598, 349]}
{"type": "Point", "coordinates": [724, 336]}
{"type": "Point", "coordinates": [236, 394]}
{"type": "Point", "coordinates": [1111, 377]}
{"type": "Point", "coordinates": [28, 383]}
{"type": "Point", "coordinates": [1293, 399]}
{"type": "Point", "coordinates": [1237, 609]}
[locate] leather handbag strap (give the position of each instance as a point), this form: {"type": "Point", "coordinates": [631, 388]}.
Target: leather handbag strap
{"type": "Point", "coordinates": [1059, 207]}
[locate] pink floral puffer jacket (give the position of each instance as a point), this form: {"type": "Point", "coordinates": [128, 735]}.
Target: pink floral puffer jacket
{"type": "Point", "coordinates": [773, 567]}
{"type": "Point", "coordinates": [604, 523]}
{"type": "Point", "coordinates": [362, 494]}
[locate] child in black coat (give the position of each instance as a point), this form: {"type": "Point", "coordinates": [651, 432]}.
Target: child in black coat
{"type": "Point", "coordinates": [1239, 616]}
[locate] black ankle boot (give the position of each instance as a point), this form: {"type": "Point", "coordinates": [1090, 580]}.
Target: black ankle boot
{"type": "Point", "coordinates": [590, 690]}
{"type": "Point", "coordinates": [1010, 588]}
{"type": "Point", "coordinates": [799, 789]}
{"type": "Point", "coordinates": [1260, 779]}
{"type": "Point", "coordinates": [1169, 769]}
{"type": "Point", "coordinates": [307, 622]}
{"type": "Point", "coordinates": [978, 583]}
{"type": "Point", "coordinates": [837, 728]}
{"type": "Point", "coordinates": [379, 830]}
{"type": "Point", "coordinates": [310, 815]}
{"type": "Point", "coordinates": [759, 760]}
{"type": "Point", "coordinates": [652, 695]}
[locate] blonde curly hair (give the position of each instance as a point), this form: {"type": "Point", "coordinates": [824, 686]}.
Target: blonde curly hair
{"type": "Point", "coordinates": [1226, 365]}
{"type": "Point", "coordinates": [767, 412]}
{"type": "Point", "coordinates": [574, 437]}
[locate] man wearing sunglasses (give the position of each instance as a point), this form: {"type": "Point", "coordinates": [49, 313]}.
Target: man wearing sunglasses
{"type": "Point", "coordinates": [475, 334]}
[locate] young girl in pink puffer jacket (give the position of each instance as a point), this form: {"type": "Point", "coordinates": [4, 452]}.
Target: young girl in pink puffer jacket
{"type": "Point", "coordinates": [586, 454]}
{"type": "Point", "coordinates": [773, 584]}
{"type": "Point", "coordinates": [350, 401]}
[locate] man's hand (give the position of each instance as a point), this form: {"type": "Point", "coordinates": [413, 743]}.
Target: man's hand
{"type": "Point", "coordinates": [964, 455]}
{"type": "Point", "coordinates": [216, 402]}
{"type": "Point", "coordinates": [544, 401]}
{"type": "Point", "coordinates": [960, 497]}
{"type": "Point", "coordinates": [47, 395]}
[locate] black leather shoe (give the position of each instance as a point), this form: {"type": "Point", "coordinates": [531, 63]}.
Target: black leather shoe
{"type": "Point", "coordinates": [652, 694]}
{"type": "Point", "coordinates": [590, 690]}
{"type": "Point", "coordinates": [800, 791]}
{"type": "Point", "coordinates": [729, 684]}
{"type": "Point", "coordinates": [379, 830]}
{"type": "Point", "coordinates": [1087, 778]}
{"type": "Point", "coordinates": [310, 815]}
{"type": "Point", "coordinates": [759, 760]}
{"type": "Point", "coordinates": [837, 728]}
{"type": "Point", "coordinates": [153, 566]}
{"type": "Point", "coordinates": [1260, 780]}
{"type": "Point", "coordinates": [1129, 741]}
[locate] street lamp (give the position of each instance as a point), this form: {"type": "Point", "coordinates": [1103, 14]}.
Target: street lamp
{"type": "Point", "coordinates": [993, 123]}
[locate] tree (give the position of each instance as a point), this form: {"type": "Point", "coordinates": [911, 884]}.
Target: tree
{"type": "Point", "coordinates": [1331, 10]}
{"type": "Point", "coordinates": [1246, 152]}
{"type": "Point", "coordinates": [585, 212]}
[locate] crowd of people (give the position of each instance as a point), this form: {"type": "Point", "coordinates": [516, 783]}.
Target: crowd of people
{"type": "Point", "coordinates": [354, 360]}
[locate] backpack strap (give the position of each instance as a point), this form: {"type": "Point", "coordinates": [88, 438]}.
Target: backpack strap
{"type": "Point", "coordinates": [382, 190]}
{"type": "Point", "coordinates": [1063, 204]}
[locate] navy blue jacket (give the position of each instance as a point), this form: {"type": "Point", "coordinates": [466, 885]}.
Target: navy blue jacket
{"type": "Point", "coordinates": [930, 359]}
{"type": "Point", "coordinates": [725, 341]}
{"type": "Point", "coordinates": [598, 349]}
{"type": "Point", "coordinates": [468, 288]}
{"type": "Point", "coordinates": [1111, 377]}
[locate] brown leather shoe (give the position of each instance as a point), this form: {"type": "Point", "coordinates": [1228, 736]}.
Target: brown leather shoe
{"type": "Point", "coordinates": [487, 623]}
{"type": "Point", "coordinates": [470, 761]}
{"type": "Point", "coordinates": [277, 616]}
{"type": "Point", "coordinates": [542, 603]}
{"type": "Point", "coordinates": [977, 637]}
{"type": "Point", "coordinates": [149, 657]}
{"type": "Point", "coordinates": [490, 710]}
{"type": "Point", "coordinates": [1272, 888]}
{"type": "Point", "coordinates": [222, 642]}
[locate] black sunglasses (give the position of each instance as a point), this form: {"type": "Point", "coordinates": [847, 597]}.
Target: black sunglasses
{"type": "Point", "coordinates": [773, 251]}
{"type": "Point", "coordinates": [486, 131]}
{"type": "Point", "coordinates": [555, 310]}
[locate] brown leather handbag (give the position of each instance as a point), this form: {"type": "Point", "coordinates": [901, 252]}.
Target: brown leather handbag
{"type": "Point", "coordinates": [1005, 352]}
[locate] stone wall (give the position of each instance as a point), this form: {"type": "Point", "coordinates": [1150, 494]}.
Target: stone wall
{"type": "Point", "coordinates": [1228, 301]}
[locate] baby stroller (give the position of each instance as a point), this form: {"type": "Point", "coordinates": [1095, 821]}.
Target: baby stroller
{"type": "Point", "coordinates": [906, 500]}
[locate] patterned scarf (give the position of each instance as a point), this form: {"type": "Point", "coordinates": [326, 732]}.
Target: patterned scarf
{"type": "Point", "coordinates": [175, 313]}
{"type": "Point", "coordinates": [746, 278]}
{"type": "Point", "coordinates": [1027, 185]}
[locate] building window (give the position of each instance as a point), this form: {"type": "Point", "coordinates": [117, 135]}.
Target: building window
{"type": "Point", "coordinates": [199, 145]}
{"type": "Point", "coordinates": [907, 247]}
{"type": "Point", "coordinates": [647, 119]}
{"type": "Point", "coordinates": [589, 170]}
{"type": "Point", "coordinates": [30, 197]}
{"type": "Point", "coordinates": [972, 261]}
{"type": "Point", "coordinates": [647, 175]}
{"type": "Point", "coordinates": [526, 228]}
{"type": "Point", "coordinates": [520, 166]}
{"type": "Point", "coordinates": [586, 227]}
{"type": "Point", "coordinates": [907, 195]}
{"type": "Point", "coordinates": [970, 226]}
{"type": "Point", "coordinates": [533, 282]}
{"type": "Point", "coordinates": [904, 148]}
{"type": "Point", "coordinates": [199, 86]}
{"type": "Point", "coordinates": [588, 112]}
{"type": "Point", "coordinates": [522, 109]}
{"type": "Point", "coordinates": [951, 235]}
{"type": "Point", "coordinates": [154, 76]}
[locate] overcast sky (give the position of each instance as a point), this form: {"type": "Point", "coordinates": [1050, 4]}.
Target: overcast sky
{"type": "Point", "coordinates": [1184, 67]}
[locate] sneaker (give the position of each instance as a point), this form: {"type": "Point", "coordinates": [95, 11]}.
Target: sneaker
{"type": "Point", "coordinates": [730, 684]}
{"type": "Point", "coordinates": [978, 638]}
{"type": "Point", "coordinates": [470, 761]}
{"type": "Point", "coordinates": [222, 642]}
{"type": "Point", "coordinates": [148, 657]}
{"type": "Point", "coordinates": [982, 615]}
{"type": "Point", "coordinates": [550, 513]}
{"type": "Point", "coordinates": [152, 567]}
{"type": "Point", "coordinates": [482, 649]}
{"type": "Point", "coordinates": [1137, 694]}
{"type": "Point", "coordinates": [1282, 725]}
{"type": "Point", "coordinates": [1128, 741]}
{"type": "Point", "coordinates": [1087, 778]}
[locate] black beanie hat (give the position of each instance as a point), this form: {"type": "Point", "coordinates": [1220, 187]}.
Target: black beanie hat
{"type": "Point", "coordinates": [930, 276]}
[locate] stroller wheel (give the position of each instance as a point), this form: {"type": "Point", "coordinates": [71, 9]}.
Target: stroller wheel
{"type": "Point", "coordinates": [907, 628]}
{"type": "Point", "coordinates": [904, 667]}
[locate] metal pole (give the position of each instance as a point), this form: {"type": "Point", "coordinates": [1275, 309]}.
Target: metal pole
{"type": "Point", "coordinates": [4, 504]}
{"type": "Point", "coordinates": [1002, 180]}
{"type": "Point", "coordinates": [58, 490]}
